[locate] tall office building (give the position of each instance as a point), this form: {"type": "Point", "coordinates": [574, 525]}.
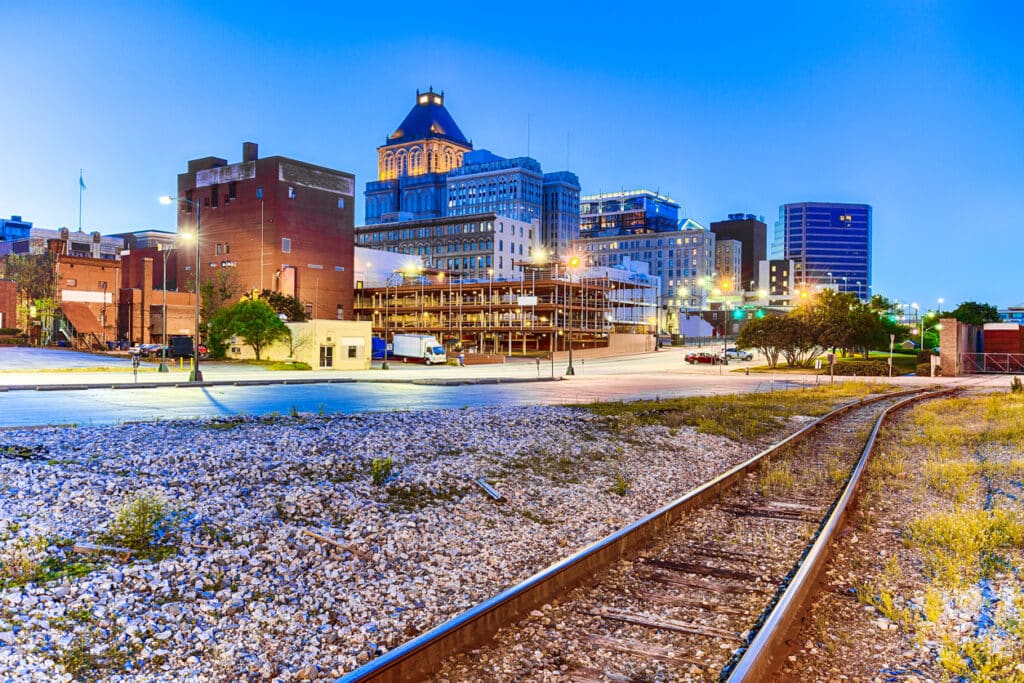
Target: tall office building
{"type": "Point", "coordinates": [752, 232]}
{"type": "Point", "coordinates": [627, 213]}
{"type": "Point", "coordinates": [429, 172]}
{"type": "Point", "coordinates": [412, 165]}
{"type": "Point", "coordinates": [829, 244]}
{"type": "Point", "coordinates": [729, 263]}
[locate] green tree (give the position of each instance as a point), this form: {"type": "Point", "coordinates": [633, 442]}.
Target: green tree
{"type": "Point", "coordinates": [34, 276]}
{"type": "Point", "coordinates": [218, 291]}
{"type": "Point", "coordinates": [288, 305]}
{"type": "Point", "coordinates": [255, 322]}
{"type": "Point", "coordinates": [764, 334]}
{"type": "Point", "coordinates": [973, 313]}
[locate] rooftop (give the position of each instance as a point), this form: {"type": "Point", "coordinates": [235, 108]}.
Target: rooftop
{"type": "Point", "coordinates": [428, 119]}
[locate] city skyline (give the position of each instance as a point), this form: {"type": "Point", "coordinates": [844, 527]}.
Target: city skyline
{"type": "Point", "coordinates": [912, 110]}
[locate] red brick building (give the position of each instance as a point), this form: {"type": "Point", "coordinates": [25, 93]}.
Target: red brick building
{"type": "Point", "coordinates": [8, 303]}
{"type": "Point", "coordinates": [277, 223]}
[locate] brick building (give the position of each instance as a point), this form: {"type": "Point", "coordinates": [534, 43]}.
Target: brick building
{"type": "Point", "coordinates": [8, 303]}
{"type": "Point", "coordinates": [272, 223]}
{"type": "Point", "coordinates": [86, 295]}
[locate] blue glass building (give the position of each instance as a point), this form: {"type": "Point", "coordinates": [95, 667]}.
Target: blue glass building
{"type": "Point", "coordinates": [14, 228]}
{"type": "Point", "coordinates": [829, 244]}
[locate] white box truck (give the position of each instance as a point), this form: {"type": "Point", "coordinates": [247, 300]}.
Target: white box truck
{"type": "Point", "coordinates": [417, 348]}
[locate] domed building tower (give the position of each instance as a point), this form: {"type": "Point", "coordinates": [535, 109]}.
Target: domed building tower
{"type": "Point", "coordinates": [413, 163]}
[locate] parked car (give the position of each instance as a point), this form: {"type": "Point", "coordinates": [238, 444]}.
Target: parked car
{"type": "Point", "coordinates": [704, 357]}
{"type": "Point", "coordinates": [737, 354]}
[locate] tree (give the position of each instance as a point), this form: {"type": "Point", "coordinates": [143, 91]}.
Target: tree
{"type": "Point", "coordinates": [221, 288]}
{"type": "Point", "coordinates": [288, 305]}
{"type": "Point", "coordinates": [765, 335]}
{"type": "Point", "coordinates": [801, 332]}
{"type": "Point", "coordinates": [297, 342]}
{"type": "Point", "coordinates": [34, 276]}
{"type": "Point", "coordinates": [973, 313]}
{"type": "Point", "coordinates": [255, 322]}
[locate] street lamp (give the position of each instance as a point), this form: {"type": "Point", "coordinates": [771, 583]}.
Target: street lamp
{"type": "Point", "coordinates": [387, 300]}
{"type": "Point", "coordinates": [196, 375]}
{"type": "Point", "coordinates": [573, 262]}
{"type": "Point", "coordinates": [165, 251]}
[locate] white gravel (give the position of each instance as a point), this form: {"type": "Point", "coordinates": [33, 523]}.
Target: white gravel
{"type": "Point", "coordinates": [248, 595]}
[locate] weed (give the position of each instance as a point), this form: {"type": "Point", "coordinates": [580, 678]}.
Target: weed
{"type": "Point", "coordinates": [1016, 386]}
{"type": "Point", "coordinates": [295, 411]}
{"type": "Point", "coordinates": [381, 469]}
{"type": "Point", "coordinates": [413, 496]}
{"type": "Point", "coordinates": [776, 477]}
{"type": "Point", "coordinates": [933, 603]}
{"type": "Point", "coordinates": [621, 485]}
{"type": "Point", "coordinates": [980, 660]}
{"type": "Point", "coordinates": [143, 523]}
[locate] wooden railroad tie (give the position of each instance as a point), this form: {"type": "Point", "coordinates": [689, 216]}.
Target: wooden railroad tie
{"type": "Point", "coordinates": [666, 624]}
{"type": "Point", "coordinates": [631, 646]}
{"type": "Point", "coordinates": [703, 570]}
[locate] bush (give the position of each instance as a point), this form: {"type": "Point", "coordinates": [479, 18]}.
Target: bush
{"type": "Point", "coordinates": [925, 370]}
{"type": "Point", "coordinates": [140, 523]}
{"type": "Point", "coordinates": [9, 331]}
{"type": "Point", "coordinates": [924, 357]}
{"type": "Point", "coordinates": [289, 365]}
{"type": "Point", "coordinates": [380, 469]}
{"type": "Point", "coordinates": [1016, 386]}
{"type": "Point", "coordinates": [862, 368]}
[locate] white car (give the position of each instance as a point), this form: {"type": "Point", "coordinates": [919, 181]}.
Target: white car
{"type": "Point", "coordinates": [733, 353]}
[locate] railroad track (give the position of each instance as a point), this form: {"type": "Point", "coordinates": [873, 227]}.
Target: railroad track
{"type": "Point", "coordinates": [710, 598]}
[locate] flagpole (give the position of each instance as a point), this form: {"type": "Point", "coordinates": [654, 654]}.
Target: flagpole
{"type": "Point", "coordinates": [81, 186]}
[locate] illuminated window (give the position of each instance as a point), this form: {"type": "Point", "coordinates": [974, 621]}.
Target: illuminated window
{"type": "Point", "coordinates": [286, 245]}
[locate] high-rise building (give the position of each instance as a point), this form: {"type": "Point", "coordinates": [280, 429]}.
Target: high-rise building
{"type": "Point", "coordinates": [478, 185]}
{"type": "Point", "coordinates": [627, 213]}
{"type": "Point", "coordinates": [412, 165]}
{"type": "Point", "coordinates": [829, 244]}
{"type": "Point", "coordinates": [273, 223]}
{"type": "Point", "coordinates": [752, 232]}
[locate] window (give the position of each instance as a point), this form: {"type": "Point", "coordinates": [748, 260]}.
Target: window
{"type": "Point", "coordinates": [214, 196]}
{"type": "Point", "coordinates": [327, 356]}
{"type": "Point", "coordinates": [352, 350]}
{"type": "Point", "coordinates": [341, 202]}
{"type": "Point", "coordinates": [291, 193]}
{"type": "Point", "coordinates": [286, 245]}
{"type": "Point", "coordinates": [232, 190]}
{"type": "Point", "coordinates": [72, 282]}
{"type": "Point", "coordinates": [341, 309]}
{"type": "Point", "coordinates": [220, 248]}
{"type": "Point", "coordinates": [309, 310]}
{"type": "Point", "coordinates": [259, 192]}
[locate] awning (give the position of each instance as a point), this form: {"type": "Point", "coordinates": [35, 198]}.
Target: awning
{"type": "Point", "coordinates": [81, 317]}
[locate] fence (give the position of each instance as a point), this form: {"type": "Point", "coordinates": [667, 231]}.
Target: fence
{"type": "Point", "coordinates": [999, 363]}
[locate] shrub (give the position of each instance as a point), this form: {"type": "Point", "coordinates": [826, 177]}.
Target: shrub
{"type": "Point", "coordinates": [9, 331]}
{"type": "Point", "coordinates": [141, 523]}
{"type": "Point", "coordinates": [1016, 386]}
{"type": "Point", "coordinates": [924, 356]}
{"type": "Point", "coordinates": [380, 470]}
{"type": "Point", "coordinates": [289, 365]}
{"type": "Point", "coordinates": [863, 368]}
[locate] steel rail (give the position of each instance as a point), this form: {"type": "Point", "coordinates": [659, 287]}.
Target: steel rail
{"type": "Point", "coordinates": [420, 657]}
{"type": "Point", "coordinates": [768, 649]}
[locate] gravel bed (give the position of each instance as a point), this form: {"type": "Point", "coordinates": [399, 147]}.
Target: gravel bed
{"type": "Point", "coordinates": [247, 594]}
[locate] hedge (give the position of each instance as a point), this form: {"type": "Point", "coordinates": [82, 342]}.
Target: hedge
{"type": "Point", "coordinates": [862, 368]}
{"type": "Point", "coordinates": [9, 331]}
{"type": "Point", "coordinates": [925, 370]}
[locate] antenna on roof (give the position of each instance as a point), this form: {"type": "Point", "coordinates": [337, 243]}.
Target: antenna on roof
{"type": "Point", "coordinates": [527, 133]}
{"type": "Point", "coordinates": [566, 150]}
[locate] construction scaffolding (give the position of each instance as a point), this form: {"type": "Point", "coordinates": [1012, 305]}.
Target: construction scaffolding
{"type": "Point", "coordinates": [528, 316]}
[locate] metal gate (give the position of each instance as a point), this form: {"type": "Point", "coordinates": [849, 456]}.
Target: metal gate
{"type": "Point", "coordinates": [1000, 363]}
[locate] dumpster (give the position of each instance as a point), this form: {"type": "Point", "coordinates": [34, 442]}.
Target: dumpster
{"type": "Point", "coordinates": [110, 345]}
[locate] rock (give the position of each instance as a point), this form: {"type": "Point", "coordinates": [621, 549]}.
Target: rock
{"type": "Point", "coordinates": [7, 637]}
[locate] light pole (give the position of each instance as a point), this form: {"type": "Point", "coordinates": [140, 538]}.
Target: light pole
{"type": "Point", "coordinates": [387, 300]}
{"type": "Point", "coordinates": [165, 251]}
{"type": "Point", "coordinates": [196, 375]}
{"type": "Point", "coordinates": [573, 262]}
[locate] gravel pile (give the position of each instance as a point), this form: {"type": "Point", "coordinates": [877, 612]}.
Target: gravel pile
{"type": "Point", "coordinates": [245, 592]}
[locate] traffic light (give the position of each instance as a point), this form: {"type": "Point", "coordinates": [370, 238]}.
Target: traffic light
{"type": "Point", "coordinates": [759, 313]}
{"type": "Point", "coordinates": [738, 314]}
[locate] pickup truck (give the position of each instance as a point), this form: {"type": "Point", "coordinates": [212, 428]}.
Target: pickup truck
{"type": "Point", "coordinates": [736, 354]}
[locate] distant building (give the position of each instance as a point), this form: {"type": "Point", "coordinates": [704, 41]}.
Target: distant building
{"type": "Point", "coordinates": [777, 278]}
{"type": "Point", "coordinates": [14, 228]}
{"type": "Point", "coordinates": [8, 304]}
{"type": "Point", "coordinates": [627, 213]}
{"type": "Point", "coordinates": [78, 243]}
{"type": "Point", "coordinates": [412, 165]}
{"type": "Point", "coordinates": [829, 244]}
{"type": "Point", "coordinates": [729, 264]}
{"type": "Point", "coordinates": [682, 259]}
{"type": "Point", "coordinates": [560, 220]}
{"type": "Point", "coordinates": [273, 223]}
{"type": "Point", "coordinates": [752, 232]}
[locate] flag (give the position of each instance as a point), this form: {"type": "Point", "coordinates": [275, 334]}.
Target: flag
{"type": "Point", "coordinates": [81, 183]}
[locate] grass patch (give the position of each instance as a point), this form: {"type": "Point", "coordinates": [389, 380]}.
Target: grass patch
{"type": "Point", "coordinates": [31, 560]}
{"type": "Point", "coordinates": [741, 417]}
{"type": "Point", "coordinates": [406, 497]}
{"type": "Point", "coordinates": [776, 477]}
{"type": "Point", "coordinates": [297, 365]}
{"type": "Point", "coordinates": [558, 467]}
{"type": "Point", "coordinates": [621, 485]}
{"type": "Point", "coordinates": [381, 469]}
{"type": "Point", "coordinates": [960, 546]}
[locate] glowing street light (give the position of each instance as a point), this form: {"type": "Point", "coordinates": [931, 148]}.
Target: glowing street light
{"type": "Point", "coordinates": [195, 375]}
{"type": "Point", "coordinates": [574, 262]}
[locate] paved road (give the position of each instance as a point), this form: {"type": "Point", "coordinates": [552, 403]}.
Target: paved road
{"type": "Point", "coordinates": [661, 374]}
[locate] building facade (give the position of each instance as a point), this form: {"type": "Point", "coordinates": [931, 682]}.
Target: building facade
{"type": "Point", "coordinates": [829, 244]}
{"type": "Point", "coordinates": [413, 163]}
{"type": "Point", "coordinates": [8, 304]}
{"type": "Point", "coordinates": [14, 228]}
{"type": "Point", "coordinates": [752, 232]}
{"type": "Point", "coordinates": [683, 260]}
{"type": "Point", "coordinates": [476, 245]}
{"type": "Point", "coordinates": [560, 220]}
{"type": "Point", "coordinates": [729, 264]}
{"type": "Point", "coordinates": [73, 243]}
{"type": "Point", "coordinates": [627, 213]}
{"type": "Point", "coordinates": [271, 224]}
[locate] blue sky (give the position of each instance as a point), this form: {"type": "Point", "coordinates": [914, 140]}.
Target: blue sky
{"type": "Point", "coordinates": [915, 108]}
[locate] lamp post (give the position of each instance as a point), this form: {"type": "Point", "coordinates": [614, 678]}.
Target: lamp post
{"type": "Point", "coordinates": [387, 301]}
{"type": "Point", "coordinates": [196, 375]}
{"type": "Point", "coordinates": [573, 262]}
{"type": "Point", "coordinates": [165, 251]}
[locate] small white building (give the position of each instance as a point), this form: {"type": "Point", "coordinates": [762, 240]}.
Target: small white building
{"type": "Point", "coordinates": [322, 344]}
